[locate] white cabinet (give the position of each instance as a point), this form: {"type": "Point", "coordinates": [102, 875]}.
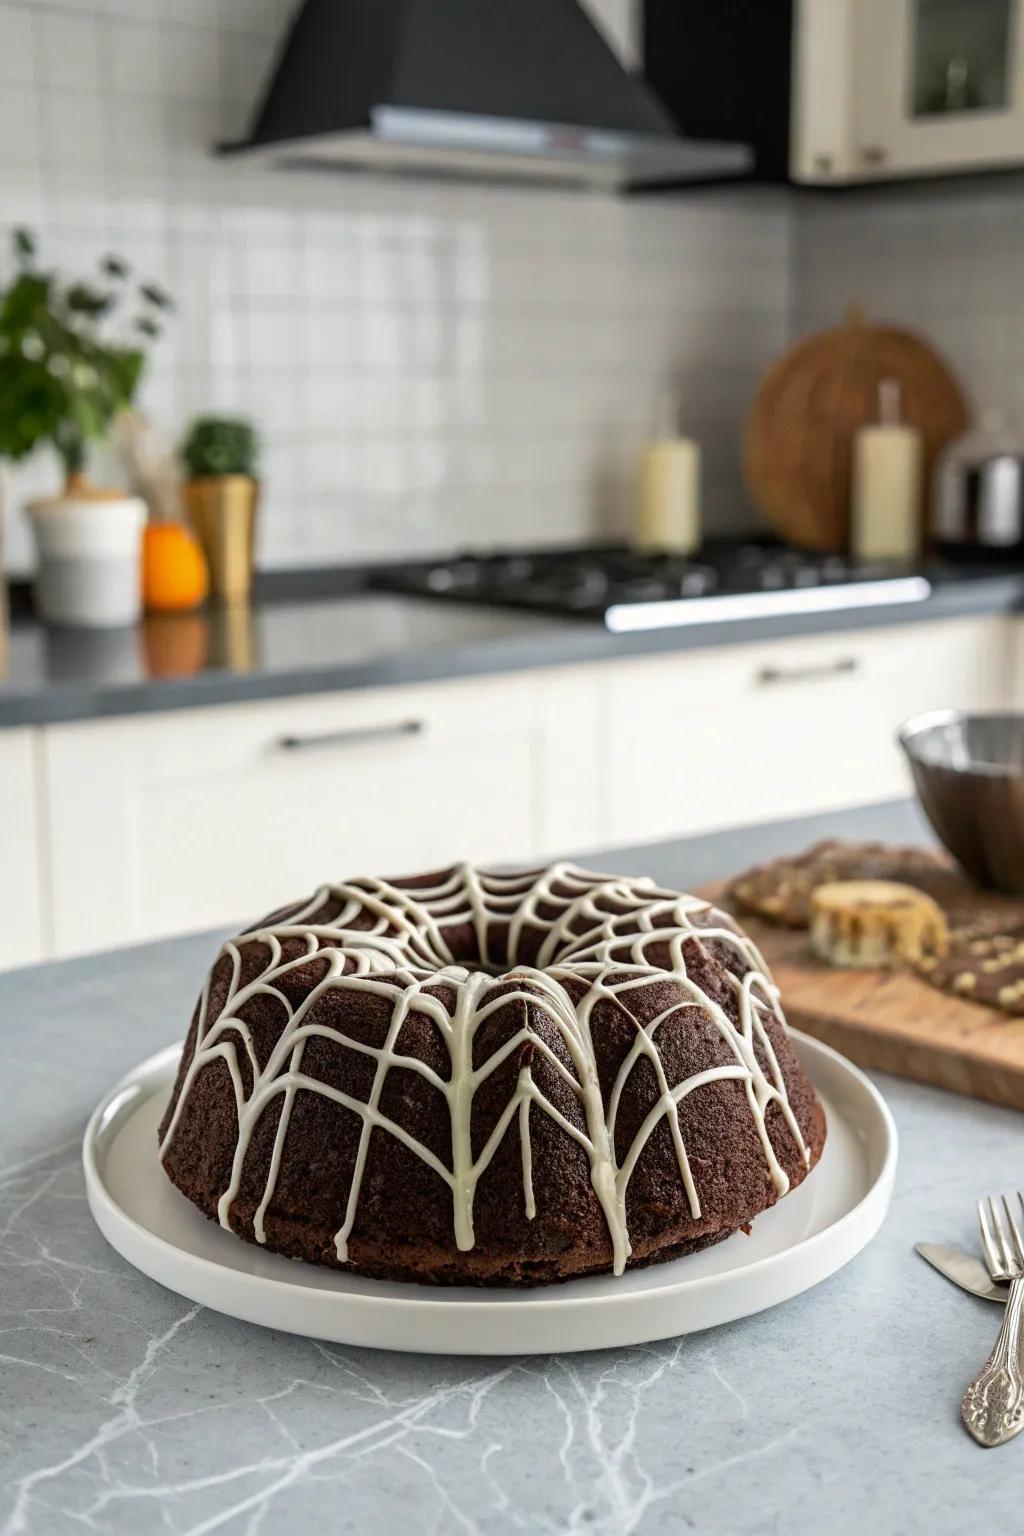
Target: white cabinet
{"type": "Point", "coordinates": [22, 920]}
{"type": "Point", "coordinates": [172, 822]}
{"type": "Point", "coordinates": [756, 732]}
{"type": "Point", "coordinates": [889, 88]}
{"type": "Point", "coordinates": [821, 113]}
{"type": "Point", "coordinates": [1015, 701]}
{"type": "Point", "coordinates": [939, 85]}
{"type": "Point", "coordinates": [117, 830]}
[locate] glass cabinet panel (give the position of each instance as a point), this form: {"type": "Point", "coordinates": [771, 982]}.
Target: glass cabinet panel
{"type": "Point", "coordinates": [961, 56]}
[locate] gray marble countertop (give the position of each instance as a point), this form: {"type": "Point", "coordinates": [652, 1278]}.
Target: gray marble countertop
{"type": "Point", "coordinates": [320, 642]}
{"type": "Point", "coordinates": [126, 1409]}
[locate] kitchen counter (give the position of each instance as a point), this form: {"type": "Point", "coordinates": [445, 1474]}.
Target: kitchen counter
{"type": "Point", "coordinates": [128, 1409]}
{"type": "Point", "coordinates": [324, 642]}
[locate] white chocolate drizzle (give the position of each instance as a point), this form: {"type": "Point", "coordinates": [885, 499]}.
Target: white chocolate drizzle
{"type": "Point", "coordinates": [595, 932]}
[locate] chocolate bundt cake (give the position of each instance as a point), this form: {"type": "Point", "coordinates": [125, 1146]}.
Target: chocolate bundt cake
{"type": "Point", "coordinates": [472, 1077]}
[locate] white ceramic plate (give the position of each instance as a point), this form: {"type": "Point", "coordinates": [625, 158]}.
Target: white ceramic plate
{"type": "Point", "coordinates": [806, 1237]}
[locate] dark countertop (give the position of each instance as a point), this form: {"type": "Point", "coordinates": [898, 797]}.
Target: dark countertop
{"type": "Point", "coordinates": [128, 1408]}
{"type": "Point", "coordinates": [322, 643]}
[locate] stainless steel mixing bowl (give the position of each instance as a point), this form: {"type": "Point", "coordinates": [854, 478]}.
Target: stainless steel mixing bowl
{"type": "Point", "coordinates": [969, 773]}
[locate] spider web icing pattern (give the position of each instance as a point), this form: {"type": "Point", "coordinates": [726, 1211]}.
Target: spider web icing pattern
{"type": "Point", "coordinates": [607, 934]}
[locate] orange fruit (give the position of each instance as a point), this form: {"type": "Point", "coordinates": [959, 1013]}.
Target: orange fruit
{"type": "Point", "coordinates": [173, 568]}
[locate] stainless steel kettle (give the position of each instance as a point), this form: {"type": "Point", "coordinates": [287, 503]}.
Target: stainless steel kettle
{"type": "Point", "coordinates": [979, 490]}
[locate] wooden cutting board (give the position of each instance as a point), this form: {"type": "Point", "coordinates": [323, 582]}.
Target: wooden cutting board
{"type": "Point", "coordinates": [892, 1021]}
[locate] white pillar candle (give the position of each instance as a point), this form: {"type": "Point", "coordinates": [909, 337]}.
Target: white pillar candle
{"type": "Point", "coordinates": [668, 503]}
{"type": "Point", "coordinates": [886, 489]}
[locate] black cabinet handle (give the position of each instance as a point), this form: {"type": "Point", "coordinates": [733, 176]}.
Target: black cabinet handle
{"type": "Point", "coordinates": [354, 736]}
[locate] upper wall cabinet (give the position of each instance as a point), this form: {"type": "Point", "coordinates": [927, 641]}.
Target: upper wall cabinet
{"type": "Point", "coordinates": [902, 88]}
{"type": "Point", "coordinates": [939, 85]}
{"type": "Point", "coordinates": [843, 92]}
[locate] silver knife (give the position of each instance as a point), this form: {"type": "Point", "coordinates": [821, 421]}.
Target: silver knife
{"type": "Point", "coordinates": [964, 1270]}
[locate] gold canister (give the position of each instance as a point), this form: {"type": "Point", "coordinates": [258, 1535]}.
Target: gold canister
{"type": "Point", "coordinates": [222, 510]}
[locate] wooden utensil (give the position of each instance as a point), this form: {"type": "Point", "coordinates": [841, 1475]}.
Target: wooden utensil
{"type": "Point", "coordinates": [810, 405]}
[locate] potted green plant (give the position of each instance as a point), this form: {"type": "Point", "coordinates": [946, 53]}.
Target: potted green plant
{"type": "Point", "coordinates": [71, 357]}
{"type": "Point", "coordinates": [220, 457]}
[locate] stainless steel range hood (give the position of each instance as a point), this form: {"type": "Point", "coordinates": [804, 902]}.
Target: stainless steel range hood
{"type": "Point", "coordinates": [522, 89]}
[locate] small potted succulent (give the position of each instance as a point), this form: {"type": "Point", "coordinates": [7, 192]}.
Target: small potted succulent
{"type": "Point", "coordinates": [71, 356]}
{"type": "Point", "coordinates": [220, 455]}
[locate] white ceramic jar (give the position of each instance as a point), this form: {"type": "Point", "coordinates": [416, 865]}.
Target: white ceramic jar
{"type": "Point", "coordinates": [89, 559]}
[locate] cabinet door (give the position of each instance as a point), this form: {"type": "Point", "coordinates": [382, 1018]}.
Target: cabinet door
{"type": "Point", "coordinates": [21, 915]}
{"type": "Point", "coordinates": [202, 818]}
{"type": "Point", "coordinates": [939, 85]}
{"type": "Point", "coordinates": [821, 120]}
{"type": "Point", "coordinates": [755, 733]}
{"type": "Point", "coordinates": [1016, 699]}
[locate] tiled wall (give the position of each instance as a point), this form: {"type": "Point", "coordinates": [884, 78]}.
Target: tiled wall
{"type": "Point", "coordinates": [947, 261]}
{"type": "Point", "coordinates": [430, 364]}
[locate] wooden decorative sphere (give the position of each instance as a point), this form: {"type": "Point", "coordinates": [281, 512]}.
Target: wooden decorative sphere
{"type": "Point", "coordinates": [797, 452]}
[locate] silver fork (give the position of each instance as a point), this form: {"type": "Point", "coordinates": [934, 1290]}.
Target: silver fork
{"type": "Point", "coordinates": [993, 1405]}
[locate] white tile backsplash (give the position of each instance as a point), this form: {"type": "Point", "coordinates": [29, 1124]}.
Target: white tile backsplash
{"type": "Point", "coordinates": [17, 47]}
{"type": "Point", "coordinates": [135, 58]}
{"type": "Point", "coordinates": [73, 129]}
{"type": "Point", "coordinates": [946, 263]}
{"type": "Point", "coordinates": [69, 54]}
{"type": "Point", "coordinates": [191, 62]}
{"type": "Point", "coordinates": [429, 364]}
{"type": "Point", "coordinates": [19, 128]}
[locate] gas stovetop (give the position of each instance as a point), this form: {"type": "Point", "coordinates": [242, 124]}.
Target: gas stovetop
{"type": "Point", "coordinates": [630, 590]}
